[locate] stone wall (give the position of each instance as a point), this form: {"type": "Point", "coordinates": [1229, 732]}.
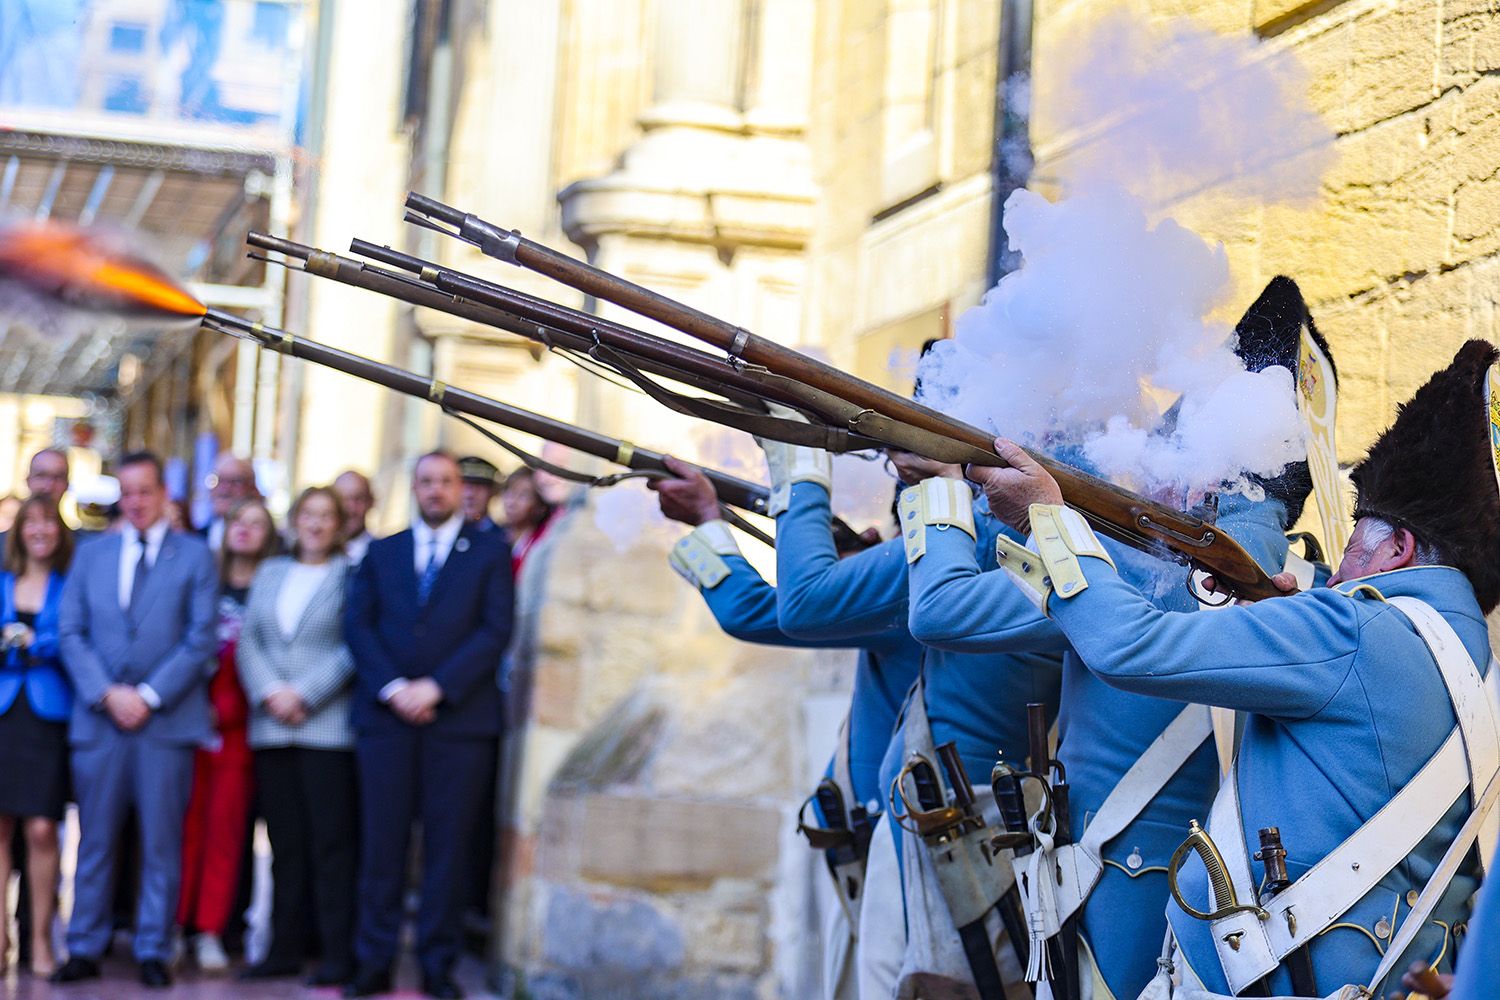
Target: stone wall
{"type": "Point", "coordinates": [664, 762]}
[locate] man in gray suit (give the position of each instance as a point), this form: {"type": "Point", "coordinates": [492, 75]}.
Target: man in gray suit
{"type": "Point", "coordinates": [137, 634]}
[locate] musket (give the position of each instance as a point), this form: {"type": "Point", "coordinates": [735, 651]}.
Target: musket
{"type": "Point", "coordinates": [879, 413]}
{"type": "Point", "coordinates": [731, 490]}
{"type": "Point", "coordinates": [623, 350]}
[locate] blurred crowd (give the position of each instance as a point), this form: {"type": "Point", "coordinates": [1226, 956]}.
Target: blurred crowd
{"type": "Point", "coordinates": [181, 683]}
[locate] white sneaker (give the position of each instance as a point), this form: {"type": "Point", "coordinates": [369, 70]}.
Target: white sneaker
{"type": "Point", "coordinates": [208, 953]}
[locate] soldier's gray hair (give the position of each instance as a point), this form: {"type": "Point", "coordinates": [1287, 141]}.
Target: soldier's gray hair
{"type": "Point", "coordinates": [1379, 530]}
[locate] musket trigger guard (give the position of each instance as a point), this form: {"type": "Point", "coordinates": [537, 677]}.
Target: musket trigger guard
{"type": "Point", "coordinates": [1191, 584]}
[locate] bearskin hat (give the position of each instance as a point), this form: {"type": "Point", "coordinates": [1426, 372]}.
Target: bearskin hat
{"type": "Point", "coordinates": [1270, 333]}
{"type": "Point", "coordinates": [1433, 471]}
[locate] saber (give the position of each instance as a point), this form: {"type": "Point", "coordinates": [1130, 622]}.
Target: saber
{"type": "Point", "coordinates": [731, 490]}
{"type": "Point", "coordinates": [1127, 517]}
{"type": "Point", "coordinates": [958, 841]}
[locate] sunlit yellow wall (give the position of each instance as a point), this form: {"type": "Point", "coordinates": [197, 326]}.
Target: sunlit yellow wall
{"type": "Point", "coordinates": [1398, 258]}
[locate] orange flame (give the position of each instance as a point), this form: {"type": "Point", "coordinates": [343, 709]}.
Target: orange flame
{"type": "Point", "coordinates": [71, 265]}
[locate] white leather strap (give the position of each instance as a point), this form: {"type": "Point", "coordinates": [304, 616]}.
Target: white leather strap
{"type": "Point", "coordinates": [1249, 947]}
{"type": "Point", "coordinates": [848, 879]}
{"type": "Point", "coordinates": [1078, 867]}
{"type": "Point", "coordinates": [1473, 700]}
{"type": "Point", "coordinates": [1148, 776]}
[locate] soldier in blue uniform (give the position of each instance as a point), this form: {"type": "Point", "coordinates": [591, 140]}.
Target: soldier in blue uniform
{"type": "Point", "coordinates": [976, 700]}
{"type": "Point", "coordinates": [745, 607]}
{"type": "Point", "coordinates": [1351, 745]}
{"type": "Point", "coordinates": [1104, 732]}
{"type": "Point", "coordinates": [1479, 966]}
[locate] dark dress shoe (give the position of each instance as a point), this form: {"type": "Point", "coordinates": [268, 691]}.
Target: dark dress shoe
{"type": "Point", "coordinates": [76, 969]}
{"type": "Point", "coordinates": [368, 982]}
{"type": "Point", "coordinates": [268, 969]}
{"type": "Point", "coordinates": [329, 975]}
{"type": "Point", "coordinates": [441, 988]}
{"type": "Point", "coordinates": [154, 974]}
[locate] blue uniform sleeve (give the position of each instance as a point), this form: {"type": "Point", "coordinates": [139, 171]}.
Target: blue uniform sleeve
{"type": "Point", "coordinates": [819, 595]}
{"type": "Point", "coordinates": [744, 605]}
{"type": "Point", "coordinates": [957, 607]}
{"type": "Point", "coordinates": [1284, 657]}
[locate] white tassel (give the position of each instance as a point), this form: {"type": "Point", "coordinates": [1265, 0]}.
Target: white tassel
{"type": "Point", "coordinates": [1040, 875]}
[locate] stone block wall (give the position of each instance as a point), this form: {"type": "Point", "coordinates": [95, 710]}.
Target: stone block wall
{"type": "Point", "coordinates": [1400, 255]}
{"type": "Point", "coordinates": [664, 762]}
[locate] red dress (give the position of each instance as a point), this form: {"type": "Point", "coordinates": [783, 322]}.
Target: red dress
{"type": "Point", "coordinates": [218, 815]}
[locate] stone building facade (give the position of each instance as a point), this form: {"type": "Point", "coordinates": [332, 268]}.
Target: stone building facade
{"type": "Point", "coordinates": [823, 172]}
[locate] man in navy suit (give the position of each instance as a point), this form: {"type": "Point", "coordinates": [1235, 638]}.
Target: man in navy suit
{"type": "Point", "coordinates": [429, 614]}
{"type": "Point", "coordinates": [137, 634]}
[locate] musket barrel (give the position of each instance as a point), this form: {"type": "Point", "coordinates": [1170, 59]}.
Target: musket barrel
{"type": "Point", "coordinates": [1130, 518]}
{"type": "Point", "coordinates": [576, 332]}
{"type": "Point", "coordinates": [731, 489]}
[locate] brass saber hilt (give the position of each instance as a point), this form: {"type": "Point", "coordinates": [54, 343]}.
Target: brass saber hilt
{"type": "Point", "coordinates": [931, 816]}
{"type": "Point", "coordinates": [1220, 886]}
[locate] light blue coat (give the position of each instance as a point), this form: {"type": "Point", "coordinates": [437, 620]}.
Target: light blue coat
{"type": "Point", "coordinates": [977, 700]}
{"type": "Point", "coordinates": [1479, 965]}
{"type": "Point", "coordinates": [744, 605]}
{"type": "Point", "coordinates": [1345, 704]}
{"type": "Point", "coordinates": [1102, 730]}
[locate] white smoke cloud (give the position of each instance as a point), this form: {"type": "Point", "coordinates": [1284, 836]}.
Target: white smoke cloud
{"type": "Point", "coordinates": [628, 515]}
{"type": "Point", "coordinates": [1105, 324]}
{"type": "Point", "coordinates": [1179, 107]}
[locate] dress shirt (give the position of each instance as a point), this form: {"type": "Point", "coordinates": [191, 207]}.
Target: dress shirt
{"type": "Point", "coordinates": [356, 547]}
{"type": "Point", "coordinates": [428, 543]}
{"type": "Point", "coordinates": [130, 554]}
{"type": "Point", "coordinates": [424, 537]}
{"type": "Point", "coordinates": [215, 535]}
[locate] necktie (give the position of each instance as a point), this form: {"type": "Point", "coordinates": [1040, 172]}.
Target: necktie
{"type": "Point", "coordinates": [429, 575]}
{"type": "Point", "coordinates": [138, 584]}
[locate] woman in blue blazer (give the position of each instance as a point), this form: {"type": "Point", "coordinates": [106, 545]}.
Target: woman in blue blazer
{"type": "Point", "coordinates": [35, 701]}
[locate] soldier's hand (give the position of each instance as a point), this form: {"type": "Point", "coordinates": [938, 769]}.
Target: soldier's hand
{"type": "Point", "coordinates": [1284, 582]}
{"type": "Point", "coordinates": [1013, 489]}
{"type": "Point", "coordinates": [1423, 979]}
{"type": "Point", "coordinates": [911, 468]}
{"type": "Point", "coordinates": [688, 497]}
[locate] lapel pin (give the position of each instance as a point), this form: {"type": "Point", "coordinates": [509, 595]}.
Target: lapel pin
{"type": "Point", "coordinates": [462, 545]}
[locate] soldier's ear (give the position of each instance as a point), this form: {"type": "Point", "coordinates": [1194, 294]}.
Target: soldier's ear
{"type": "Point", "coordinates": [1403, 550]}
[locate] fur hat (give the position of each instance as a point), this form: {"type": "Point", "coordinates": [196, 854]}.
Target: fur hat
{"type": "Point", "coordinates": [1270, 333]}
{"type": "Point", "coordinates": [1433, 471]}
